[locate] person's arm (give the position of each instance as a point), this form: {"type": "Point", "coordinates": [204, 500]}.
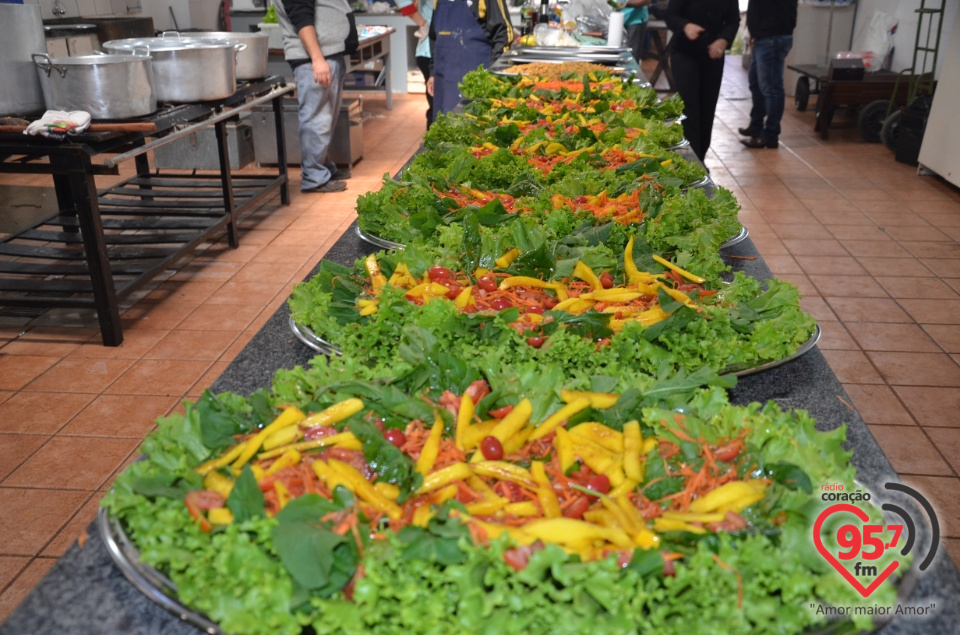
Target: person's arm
{"type": "Point", "coordinates": [302, 16]}
{"type": "Point", "coordinates": [678, 23]}
{"type": "Point", "coordinates": [409, 9]}
{"type": "Point", "coordinates": [728, 31]}
{"type": "Point", "coordinates": [498, 27]}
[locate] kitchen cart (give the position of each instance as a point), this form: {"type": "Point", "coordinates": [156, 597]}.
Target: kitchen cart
{"type": "Point", "coordinates": [105, 244]}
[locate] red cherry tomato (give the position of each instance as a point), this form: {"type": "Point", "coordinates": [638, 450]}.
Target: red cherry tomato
{"type": "Point", "coordinates": [501, 412]}
{"type": "Point", "coordinates": [728, 451]}
{"type": "Point", "coordinates": [438, 273]}
{"type": "Point", "coordinates": [534, 308]}
{"type": "Point", "coordinates": [536, 341]}
{"type": "Point", "coordinates": [599, 483]}
{"type": "Point", "coordinates": [454, 291]}
{"type": "Point", "coordinates": [549, 303]}
{"type": "Point", "coordinates": [577, 508]}
{"type": "Point", "coordinates": [499, 304]}
{"type": "Point", "coordinates": [487, 283]}
{"type": "Point", "coordinates": [491, 448]}
{"type": "Point", "coordinates": [606, 280]}
{"type": "Point", "coordinates": [395, 436]}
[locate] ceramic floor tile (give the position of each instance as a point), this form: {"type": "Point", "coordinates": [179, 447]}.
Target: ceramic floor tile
{"type": "Point", "coordinates": [910, 451]}
{"type": "Point", "coordinates": [947, 441]}
{"type": "Point", "coordinates": [119, 416]}
{"type": "Point", "coordinates": [894, 267]}
{"type": "Point", "coordinates": [852, 367]}
{"type": "Point", "coordinates": [15, 449]}
{"type": "Point", "coordinates": [10, 568]}
{"type": "Point", "coordinates": [916, 369]}
{"type": "Point", "coordinates": [943, 267]}
{"type": "Point", "coordinates": [77, 530]}
{"type": "Point", "coordinates": [814, 247]}
{"type": "Point", "coordinates": [933, 311]}
{"type": "Point", "coordinates": [815, 306]}
{"type": "Point", "coordinates": [65, 462]}
{"type": "Point", "coordinates": [136, 342]}
{"type": "Point", "coordinates": [875, 249]}
{"type": "Point", "coordinates": [830, 265]}
{"type": "Point", "coordinates": [878, 404]}
{"type": "Point", "coordinates": [858, 232]}
{"type": "Point", "coordinates": [878, 336]}
{"type": "Point", "coordinates": [931, 406]}
{"type": "Point", "coordinates": [867, 310]}
{"type": "Point", "coordinates": [904, 287]}
{"type": "Point", "coordinates": [80, 374]}
{"type": "Point", "coordinates": [834, 336]}
{"type": "Point", "coordinates": [226, 317]}
{"type": "Point", "coordinates": [159, 377]}
{"type": "Point", "coordinates": [32, 517]}
{"type": "Point", "coordinates": [16, 371]}
{"type": "Point", "coordinates": [40, 412]}
{"type": "Point", "coordinates": [849, 286]}
{"type": "Point", "coordinates": [933, 249]}
{"type": "Point", "coordinates": [184, 344]}
{"type": "Point", "coordinates": [21, 587]}
{"type": "Point", "coordinates": [946, 336]}
{"type": "Point", "coordinates": [944, 495]}
{"type": "Point", "coordinates": [48, 342]}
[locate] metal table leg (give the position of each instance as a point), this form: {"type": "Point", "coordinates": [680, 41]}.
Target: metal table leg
{"type": "Point", "coordinates": [226, 180]}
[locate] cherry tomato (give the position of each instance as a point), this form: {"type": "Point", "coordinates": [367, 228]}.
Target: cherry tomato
{"type": "Point", "coordinates": [491, 448]}
{"type": "Point", "coordinates": [395, 436]}
{"type": "Point", "coordinates": [501, 412]}
{"type": "Point", "coordinates": [518, 557]}
{"type": "Point", "coordinates": [728, 451]}
{"type": "Point", "coordinates": [599, 483]}
{"type": "Point", "coordinates": [499, 304]}
{"type": "Point", "coordinates": [487, 283]}
{"type": "Point", "coordinates": [603, 341]}
{"type": "Point", "coordinates": [439, 273]}
{"type": "Point", "coordinates": [577, 508]}
{"type": "Point", "coordinates": [534, 308]}
{"type": "Point", "coordinates": [454, 291]}
{"type": "Point", "coordinates": [536, 341]}
{"type": "Point", "coordinates": [606, 280]}
{"type": "Point", "coordinates": [549, 303]}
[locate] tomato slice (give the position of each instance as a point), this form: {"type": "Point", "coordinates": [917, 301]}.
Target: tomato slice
{"type": "Point", "coordinates": [199, 500]}
{"type": "Point", "coordinates": [501, 412]}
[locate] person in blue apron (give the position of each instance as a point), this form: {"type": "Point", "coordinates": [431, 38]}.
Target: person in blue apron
{"type": "Point", "coordinates": [464, 34]}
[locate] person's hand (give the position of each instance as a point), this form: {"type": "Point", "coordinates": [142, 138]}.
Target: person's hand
{"type": "Point", "coordinates": [430, 86]}
{"type": "Point", "coordinates": [692, 31]}
{"type": "Point", "coordinates": [321, 73]}
{"type": "Point", "coordinates": [716, 49]}
{"type": "Point", "coordinates": [423, 32]}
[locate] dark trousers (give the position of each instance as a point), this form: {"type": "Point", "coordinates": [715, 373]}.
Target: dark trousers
{"type": "Point", "coordinates": [423, 63]}
{"type": "Point", "coordinates": [697, 79]}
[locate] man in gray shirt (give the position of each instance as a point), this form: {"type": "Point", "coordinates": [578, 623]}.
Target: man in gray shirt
{"type": "Point", "coordinates": [314, 32]}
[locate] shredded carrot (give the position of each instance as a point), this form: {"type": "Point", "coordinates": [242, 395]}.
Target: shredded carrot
{"type": "Point", "coordinates": [729, 568]}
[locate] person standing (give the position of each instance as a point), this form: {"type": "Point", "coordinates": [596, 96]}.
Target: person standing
{"type": "Point", "coordinates": [314, 36]}
{"type": "Point", "coordinates": [464, 34]}
{"type": "Point", "coordinates": [703, 30]}
{"type": "Point", "coordinates": [635, 16]}
{"type": "Point", "coordinates": [771, 24]}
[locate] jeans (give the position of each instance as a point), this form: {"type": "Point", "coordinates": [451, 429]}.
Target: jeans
{"type": "Point", "coordinates": [319, 109]}
{"type": "Point", "coordinates": [766, 83]}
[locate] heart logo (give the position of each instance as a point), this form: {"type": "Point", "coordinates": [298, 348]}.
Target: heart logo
{"type": "Point", "coordinates": [862, 515]}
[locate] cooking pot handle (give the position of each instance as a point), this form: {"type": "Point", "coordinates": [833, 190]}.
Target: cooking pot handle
{"type": "Point", "coordinates": [142, 51]}
{"type": "Point", "coordinates": [239, 46]}
{"type": "Point", "coordinates": [47, 64]}
{"type": "Point", "coordinates": [164, 35]}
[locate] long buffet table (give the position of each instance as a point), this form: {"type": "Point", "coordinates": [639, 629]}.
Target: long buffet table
{"type": "Point", "coordinates": [85, 593]}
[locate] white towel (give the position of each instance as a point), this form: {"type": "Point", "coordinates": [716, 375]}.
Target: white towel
{"type": "Point", "coordinates": [56, 124]}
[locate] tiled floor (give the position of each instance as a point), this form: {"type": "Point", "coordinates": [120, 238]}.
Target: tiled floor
{"type": "Point", "coordinates": [872, 246]}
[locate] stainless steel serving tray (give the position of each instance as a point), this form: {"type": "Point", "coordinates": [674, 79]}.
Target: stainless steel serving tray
{"type": "Point", "coordinates": [565, 50]}
{"type": "Point", "coordinates": [157, 587]}
{"type": "Point", "coordinates": [739, 238]}
{"type": "Point", "coordinates": [306, 335]}
{"type": "Point", "coordinates": [375, 240]}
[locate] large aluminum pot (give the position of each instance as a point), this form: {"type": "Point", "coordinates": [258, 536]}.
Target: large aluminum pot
{"type": "Point", "coordinates": [21, 35]}
{"type": "Point", "coordinates": [252, 61]}
{"type": "Point", "coordinates": [187, 69]}
{"type": "Point", "coordinates": [106, 86]}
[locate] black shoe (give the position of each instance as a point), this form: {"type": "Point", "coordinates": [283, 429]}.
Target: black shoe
{"type": "Point", "coordinates": [761, 142]}
{"type": "Point", "coordinates": [332, 185]}
{"type": "Point", "coordinates": [342, 174]}
{"type": "Point", "coordinates": [749, 132]}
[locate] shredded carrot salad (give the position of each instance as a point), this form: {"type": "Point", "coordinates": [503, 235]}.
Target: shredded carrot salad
{"type": "Point", "coordinates": [584, 487]}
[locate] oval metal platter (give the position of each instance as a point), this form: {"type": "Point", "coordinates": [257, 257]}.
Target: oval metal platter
{"type": "Point", "coordinates": [739, 238]}
{"type": "Point", "coordinates": [376, 241]}
{"type": "Point", "coordinates": [306, 335]}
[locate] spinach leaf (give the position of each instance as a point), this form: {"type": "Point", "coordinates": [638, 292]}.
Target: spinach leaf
{"type": "Point", "coordinates": [246, 499]}
{"type": "Point", "coordinates": [392, 465]}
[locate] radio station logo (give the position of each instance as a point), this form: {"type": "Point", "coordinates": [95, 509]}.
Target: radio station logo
{"type": "Point", "coordinates": [863, 543]}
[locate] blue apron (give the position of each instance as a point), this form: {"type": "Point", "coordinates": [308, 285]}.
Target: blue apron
{"type": "Point", "coordinates": [462, 46]}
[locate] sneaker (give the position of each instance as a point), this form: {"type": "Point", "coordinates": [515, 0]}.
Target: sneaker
{"type": "Point", "coordinates": [332, 185]}
{"type": "Point", "coordinates": [761, 142]}
{"type": "Point", "coordinates": [749, 132]}
{"type": "Point", "coordinates": [342, 174]}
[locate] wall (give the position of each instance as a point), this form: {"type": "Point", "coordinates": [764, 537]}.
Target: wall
{"type": "Point", "coordinates": [906, 36]}
{"type": "Point", "coordinates": [86, 8]}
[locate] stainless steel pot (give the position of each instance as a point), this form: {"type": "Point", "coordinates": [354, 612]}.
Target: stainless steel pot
{"type": "Point", "coordinates": [187, 69]}
{"type": "Point", "coordinates": [21, 35]}
{"type": "Point", "coordinates": [106, 86]}
{"type": "Point", "coordinates": [252, 61]}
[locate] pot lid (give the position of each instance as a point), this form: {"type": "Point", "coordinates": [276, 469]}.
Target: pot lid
{"type": "Point", "coordinates": [155, 44]}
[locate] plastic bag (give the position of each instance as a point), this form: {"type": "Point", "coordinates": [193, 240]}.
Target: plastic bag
{"type": "Point", "coordinates": [547, 35]}
{"type": "Point", "coordinates": [874, 40]}
{"type": "Point", "coordinates": [590, 16]}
